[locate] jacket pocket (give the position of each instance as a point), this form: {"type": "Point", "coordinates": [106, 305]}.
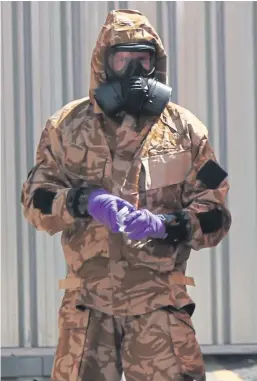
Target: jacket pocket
{"type": "Point", "coordinates": [161, 180]}
{"type": "Point", "coordinates": [166, 169]}
{"type": "Point", "coordinates": [71, 345]}
{"type": "Point", "coordinates": [185, 345]}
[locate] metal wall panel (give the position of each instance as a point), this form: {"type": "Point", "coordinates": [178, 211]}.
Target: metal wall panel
{"type": "Point", "coordinates": [241, 126]}
{"type": "Point", "coordinates": [9, 247]}
{"type": "Point", "coordinates": [46, 51]}
{"type": "Point", "coordinates": [192, 75]}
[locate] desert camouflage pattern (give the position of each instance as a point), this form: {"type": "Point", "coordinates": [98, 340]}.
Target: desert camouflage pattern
{"type": "Point", "coordinates": [152, 163]}
{"type": "Point", "coordinates": [156, 346]}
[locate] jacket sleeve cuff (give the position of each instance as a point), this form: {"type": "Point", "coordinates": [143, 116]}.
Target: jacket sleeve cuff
{"type": "Point", "coordinates": [66, 203]}
{"type": "Point", "coordinates": [178, 227]}
{"type": "Point", "coordinates": [77, 201]}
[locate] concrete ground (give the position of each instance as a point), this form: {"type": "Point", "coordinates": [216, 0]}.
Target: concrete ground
{"type": "Point", "coordinates": [231, 368]}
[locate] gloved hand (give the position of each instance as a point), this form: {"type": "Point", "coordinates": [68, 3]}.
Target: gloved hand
{"type": "Point", "coordinates": [104, 207]}
{"type": "Point", "coordinates": [142, 224]}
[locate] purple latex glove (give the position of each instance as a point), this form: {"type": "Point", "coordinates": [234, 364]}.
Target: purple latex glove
{"type": "Point", "coordinates": [142, 224]}
{"type": "Point", "coordinates": [104, 207]}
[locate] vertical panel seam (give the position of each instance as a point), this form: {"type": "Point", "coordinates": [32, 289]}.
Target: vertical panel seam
{"type": "Point", "coordinates": [123, 4]}
{"type": "Point", "coordinates": [76, 52]}
{"type": "Point", "coordinates": [254, 4]}
{"type": "Point", "coordinates": [30, 159]}
{"type": "Point", "coordinates": [172, 49]}
{"type": "Point", "coordinates": [111, 6]}
{"type": "Point", "coordinates": [159, 22]}
{"type": "Point", "coordinates": [221, 65]}
{"type": "Point", "coordinates": [63, 53]}
{"type": "Point", "coordinates": [210, 105]}
{"type": "Point", "coordinates": [17, 172]}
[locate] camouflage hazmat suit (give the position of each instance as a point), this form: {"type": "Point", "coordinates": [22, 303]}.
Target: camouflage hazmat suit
{"type": "Point", "coordinates": [126, 306]}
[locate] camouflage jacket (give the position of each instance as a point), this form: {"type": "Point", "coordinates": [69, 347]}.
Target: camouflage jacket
{"type": "Point", "coordinates": [164, 164]}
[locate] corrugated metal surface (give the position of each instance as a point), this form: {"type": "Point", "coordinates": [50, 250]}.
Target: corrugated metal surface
{"type": "Point", "coordinates": [46, 50]}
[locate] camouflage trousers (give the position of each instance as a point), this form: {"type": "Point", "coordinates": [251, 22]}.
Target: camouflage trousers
{"type": "Point", "coordinates": [156, 346]}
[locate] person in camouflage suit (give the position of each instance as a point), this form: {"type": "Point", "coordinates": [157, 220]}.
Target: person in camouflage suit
{"type": "Point", "coordinates": [126, 306]}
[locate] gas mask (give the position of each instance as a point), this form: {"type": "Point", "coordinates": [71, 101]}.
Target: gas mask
{"type": "Point", "coordinates": [131, 86]}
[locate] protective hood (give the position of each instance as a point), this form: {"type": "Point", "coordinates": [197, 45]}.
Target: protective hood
{"type": "Point", "coordinates": [124, 26]}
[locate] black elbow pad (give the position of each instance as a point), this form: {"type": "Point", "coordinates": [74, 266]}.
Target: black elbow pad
{"type": "Point", "coordinates": [211, 221]}
{"type": "Point", "coordinates": [43, 200]}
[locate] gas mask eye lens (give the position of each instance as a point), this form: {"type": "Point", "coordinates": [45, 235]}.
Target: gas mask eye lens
{"type": "Point", "coordinates": [145, 62]}
{"type": "Point", "coordinates": [118, 61]}
{"type": "Point", "coordinates": [125, 61]}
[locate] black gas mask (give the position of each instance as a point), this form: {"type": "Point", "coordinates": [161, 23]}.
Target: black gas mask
{"type": "Point", "coordinates": [131, 86]}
